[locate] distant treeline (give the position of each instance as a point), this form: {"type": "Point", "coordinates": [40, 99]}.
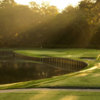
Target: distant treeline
{"type": "Point", "coordinates": [44, 27]}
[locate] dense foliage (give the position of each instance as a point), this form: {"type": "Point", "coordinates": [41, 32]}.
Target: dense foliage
{"type": "Point", "coordinates": [43, 26]}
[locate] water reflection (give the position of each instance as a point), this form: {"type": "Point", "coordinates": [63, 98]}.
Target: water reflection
{"type": "Point", "coordinates": [14, 71]}
{"type": "Point", "coordinates": [18, 68]}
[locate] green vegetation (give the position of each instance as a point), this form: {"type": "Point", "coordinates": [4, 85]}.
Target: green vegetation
{"type": "Point", "coordinates": [66, 53]}
{"type": "Point", "coordinates": [21, 26]}
{"type": "Point", "coordinates": [50, 95]}
{"type": "Point", "coordinates": [45, 27]}
{"type": "Point", "coordinates": [86, 78]}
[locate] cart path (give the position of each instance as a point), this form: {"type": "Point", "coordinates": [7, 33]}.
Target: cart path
{"type": "Point", "coordinates": [48, 89]}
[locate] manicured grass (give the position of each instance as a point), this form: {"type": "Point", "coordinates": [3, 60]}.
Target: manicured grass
{"type": "Point", "coordinates": [50, 95]}
{"type": "Point", "coordinates": [69, 53]}
{"type": "Point", "coordinates": [89, 77]}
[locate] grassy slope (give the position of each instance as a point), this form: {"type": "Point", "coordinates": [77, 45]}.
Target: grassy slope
{"type": "Point", "coordinates": [86, 78]}
{"type": "Point", "coordinates": [50, 95]}
{"type": "Point", "coordinates": [71, 53]}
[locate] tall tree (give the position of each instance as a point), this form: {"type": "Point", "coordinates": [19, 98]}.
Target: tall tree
{"type": "Point", "coordinates": [97, 1]}
{"type": "Point", "coordinates": [7, 3]}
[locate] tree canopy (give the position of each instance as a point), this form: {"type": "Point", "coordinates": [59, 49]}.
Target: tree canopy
{"type": "Point", "coordinates": [44, 26]}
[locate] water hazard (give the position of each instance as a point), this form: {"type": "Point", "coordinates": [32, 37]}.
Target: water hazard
{"type": "Point", "coordinates": [17, 69]}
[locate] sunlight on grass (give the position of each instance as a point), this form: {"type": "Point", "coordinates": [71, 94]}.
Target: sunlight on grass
{"type": "Point", "coordinates": [40, 96]}
{"type": "Point", "coordinates": [51, 95]}
{"type": "Point", "coordinates": [70, 53]}
{"type": "Point", "coordinates": [70, 98]}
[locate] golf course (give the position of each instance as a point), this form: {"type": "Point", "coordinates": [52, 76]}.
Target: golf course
{"type": "Point", "coordinates": [49, 49]}
{"type": "Point", "coordinates": [87, 78]}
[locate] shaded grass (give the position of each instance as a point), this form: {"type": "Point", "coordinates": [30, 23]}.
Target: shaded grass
{"type": "Point", "coordinates": [50, 95]}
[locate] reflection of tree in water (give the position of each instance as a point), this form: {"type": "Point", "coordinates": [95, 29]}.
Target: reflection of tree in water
{"type": "Point", "coordinates": [24, 71]}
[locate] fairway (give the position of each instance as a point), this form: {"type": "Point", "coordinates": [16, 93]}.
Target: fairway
{"type": "Point", "coordinates": [50, 95]}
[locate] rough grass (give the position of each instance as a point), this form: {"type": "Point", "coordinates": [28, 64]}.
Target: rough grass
{"type": "Point", "coordinates": [50, 95]}
{"type": "Point", "coordinates": [89, 77]}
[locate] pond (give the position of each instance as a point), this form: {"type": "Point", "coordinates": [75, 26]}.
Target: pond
{"type": "Point", "coordinates": [16, 69]}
